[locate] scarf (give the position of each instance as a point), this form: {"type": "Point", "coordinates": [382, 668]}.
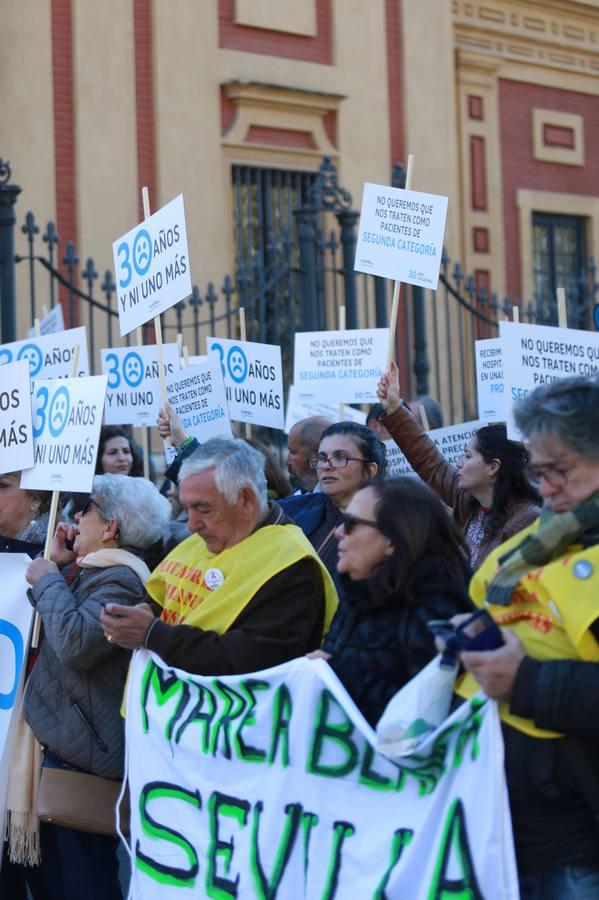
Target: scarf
{"type": "Point", "coordinates": [105, 557]}
{"type": "Point", "coordinates": [556, 532]}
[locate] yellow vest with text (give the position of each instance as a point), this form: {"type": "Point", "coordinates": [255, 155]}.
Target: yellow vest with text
{"type": "Point", "coordinates": [551, 610]}
{"type": "Point", "coordinates": [178, 584]}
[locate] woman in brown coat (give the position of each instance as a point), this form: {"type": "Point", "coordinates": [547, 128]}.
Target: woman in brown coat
{"type": "Point", "coordinates": [488, 490]}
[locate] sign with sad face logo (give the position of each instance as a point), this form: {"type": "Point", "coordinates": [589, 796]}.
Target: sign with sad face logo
{"type": "Point", "coordinates": [133, 396]}
{"type": "Point", "coordinates": [50, 356]}
{"type": "Point", "coordinates": [151, 264]}
{"type": "Point", "coordinates": [66, 427]}
{"type": "Point", "coordinates": [253, 380]}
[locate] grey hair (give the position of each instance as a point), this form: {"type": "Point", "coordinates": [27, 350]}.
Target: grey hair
{"type": "Point", "coordinates": [136, 504]}
{"type": "Point", "coordinates": [236, 465]}
{"type": "Point", "coordinates": [567, 410]}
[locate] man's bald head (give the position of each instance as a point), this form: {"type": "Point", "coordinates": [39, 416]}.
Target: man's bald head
{"type": "Point", "coordinates": [302, 443]}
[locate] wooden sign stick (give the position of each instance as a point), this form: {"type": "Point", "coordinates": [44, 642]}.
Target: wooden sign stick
{"type": "Point", "coordinates": [397, 288]}
{"type": "Point", "coordinates": [242, 337]}
{"type": "Point", "coordinates": [562, 315]}
{"type": "Point", "coordinates": [423, 417]}
{"type": "Point", "coordinates": [515, 314]}
{"type": "Point", "coordinates": [341, 328]}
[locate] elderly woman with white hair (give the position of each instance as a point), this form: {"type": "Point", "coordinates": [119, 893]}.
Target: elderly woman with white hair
{"type": "Point", "coordinates": [74, 692]}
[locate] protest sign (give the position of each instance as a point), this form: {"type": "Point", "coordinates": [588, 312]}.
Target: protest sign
{"type": "Point", "coordinates": [452, 440]}
{"type": "Point", "coordinates": [66, 426]}
{"type": "Point", "coordinates": [253, 380]}
{"type": "Point", "coordinates": [133, 396]}
{"type": "Point", "coordinates": [197, 394]}
{"type": "Point", "coordinates": [401, 235]}
{"type": "Point", "coordinates": [344, 366]}
{"type": "Point", "coordinates": [50, 356]}
{"type": "Point", "coordinates": [151, 263]}
{"type": "Point", "coordinates": [15, 621]}
{"type": "Point", "coordinates": [269, 786]}
{"type": "Point", "coordinates": [397, 464]}
{"type": "Point", "coordinates": [298, 410]}
{"type": "Point", "coordinates": [538, 354]}
{"type": "Point", "coordinates": [51, 323]}
{"type": "Point", "coordinates": [489, 380]}
{"type": "Point", "coordinates": [16, 437]}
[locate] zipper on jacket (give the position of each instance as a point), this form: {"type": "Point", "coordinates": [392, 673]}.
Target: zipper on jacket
{"type": "Point", "coordinates": [103, 747]}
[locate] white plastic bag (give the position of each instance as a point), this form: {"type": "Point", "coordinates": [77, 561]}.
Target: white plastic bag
{"type": "Point", "coordinates": [416, 710]}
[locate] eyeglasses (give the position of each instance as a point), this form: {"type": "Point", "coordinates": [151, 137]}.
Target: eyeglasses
{"type": "Point", "coordinates": [555, 475]}
{"type": "Point", "coordinates": [336, 460]}
{"type": "Point", "coordinates": [349, 522]}
{"type": "Point", "coordinates": [89, 504]}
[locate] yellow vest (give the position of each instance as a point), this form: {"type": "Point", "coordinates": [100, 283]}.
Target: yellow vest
{"type": "Point", "coordinates": [551, 610]}
{"type": "Point", "coordinates": [210, 590]}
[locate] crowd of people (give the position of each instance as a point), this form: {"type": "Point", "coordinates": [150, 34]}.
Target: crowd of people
{"type": "Point", "coordinates": [335, 560]}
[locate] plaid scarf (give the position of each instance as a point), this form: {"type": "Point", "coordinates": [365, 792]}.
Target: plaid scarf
{"type": "Point", "coordinates": [556, 532]}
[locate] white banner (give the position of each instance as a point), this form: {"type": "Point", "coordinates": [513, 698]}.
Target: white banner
{"type": "Point", "coordinates": [151, 263]}
{"type": "Point", "coordinates": [15, 621]}
{"type": "Point", "coordinates": [253, 378]}
{"type": "Point", "coordinates": [489, 380]}
{"type": "Point", "coordinates": [16, 435]}
{"type": "Point", "coordinates": [341, 366]}
{"type": "Point", "coordinates": [452, 440]}
{"type": "Point", "coordinates": [538, 354]}
{"type": "Point", "coordinates": [66, 426]}
{"type": "Point", "coordinates": [51, 323]}
{"type": "Point", "coordinates": [197, 394]}
{"type": "Point", "coordinates": [268, 785]}
{"type": "Point", "coordinates": [397, 464]}
{"type": "Point", "coordinates": [50, 356]}
{"type": "Point", "coordinates": [134, 393]}
{"type": "Point", "coordinates": [401, 235]}
{"type": "Point", "coordinates": [336, 412]}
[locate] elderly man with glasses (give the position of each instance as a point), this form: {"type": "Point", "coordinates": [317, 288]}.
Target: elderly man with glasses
{"type": "Point", "coordinates": [542, 586]}
{"type": "Point", "coordinates": [246, 591]}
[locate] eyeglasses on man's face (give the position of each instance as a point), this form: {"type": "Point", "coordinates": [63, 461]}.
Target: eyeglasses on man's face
{"type": "Point", "coordinates": [336, 460]}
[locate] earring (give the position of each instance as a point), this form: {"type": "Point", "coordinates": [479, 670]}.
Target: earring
{"type": "Point", "coordinates": [491, 482]}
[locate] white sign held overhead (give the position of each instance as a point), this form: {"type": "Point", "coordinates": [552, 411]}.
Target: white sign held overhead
{"type": "Point", "coordinates": [341, 366]}
{"type": "Point", "coordinates": [50, 356]}
{"type": "Point", "coordinates": [298, 410]}
{"type": "Point", "coordinates": [66, 426]}
{"type": "Point", "coordinates": [401, 235]}
{"type": "Point", "coordinates": [197, 394]}
{"type": "Point", "coordinates": [51, 323]}
{"type": "Point", "coordinates": [151, 263]}
{"type": "Point", "coordinates": [16, 435]}
{"type": "Point", "coordinates": [538, 354]}
{"type": "Point", "coordinates": [253, 379]}
{"type": "Point", "coordinates": [451, 441]}
{"type": "Point", "coordinates": [489, 380]}
{"type": "Point", "coordinates": [133, 396]}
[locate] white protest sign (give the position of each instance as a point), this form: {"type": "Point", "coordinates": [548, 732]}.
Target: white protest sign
{"type": "Point", "coordinates": [16, 435]}
{"type": "Point", "coordinates": [401, 235]}
{"type": "Point", "coordinates": [134, 396]}
{"type": "Point", "coordinates": [50, 323]}
{"type": "Point", "coordinates": [197, 394]}
{"type": "Point", "coordinates": [397, 464]}
{"type": "Point", "coordinates": [343, 366]}
{"type": "Point", "coordinates": [298, 410]}
{"type": "Point", "coordinates": [66, 426]}
{"type": "Point", "coordinates": [15, 621]}
{"type": "Point", "coordinates": [268, 785]}
{"type": "Point", "coordinates": [151, 263]}
{"type": "Point", "coordinates": [452, 440]}
{"type": "Point", "coordinates": [50, 356]}
{"type": "Point", "coordinates": [489, 380]}
{"type": "Point", "coordinates": [538, 354]}
{"type": "Point", "coordinates": [253, 380]}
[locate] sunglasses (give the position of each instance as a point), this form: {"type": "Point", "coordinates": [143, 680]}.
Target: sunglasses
{"type": "Point", "coordinates": [349, 522]}
{"type": "Point", "coordinates": [89, 504]}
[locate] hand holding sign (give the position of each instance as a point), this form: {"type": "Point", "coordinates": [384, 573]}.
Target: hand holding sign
{"type": "Point", "coordinates": [170, 426]}
{"type": "Point", "coordinates": [388, 389]}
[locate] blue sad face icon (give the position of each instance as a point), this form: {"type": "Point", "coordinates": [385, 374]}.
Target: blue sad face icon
{"type": "Point", "coordinates": [142, 252]}
{"type": "Point", "coordinates": [237, 364]}
{"type": "Point", "coordinates": [59, 411]}
{"type": "Point", "coordinates": [33, 355]}
{"type": "Point", "coordinates": [133, 370]}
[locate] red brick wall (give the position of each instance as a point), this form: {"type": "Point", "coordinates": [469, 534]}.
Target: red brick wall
{"type": "Point", "coordinates": [318, 49]}
{"type": "Point", "coordinates": [521, 171]}
{"type": "Point", "coordinates": [144, 103]}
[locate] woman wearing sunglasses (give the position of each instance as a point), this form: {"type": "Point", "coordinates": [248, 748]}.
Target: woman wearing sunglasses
{"type": "Point", "coordinates": [402, 562]}
{"type": "Point", "coordinates": [349, 456]}
{"type": "Point", "coordinates": [74, 692]}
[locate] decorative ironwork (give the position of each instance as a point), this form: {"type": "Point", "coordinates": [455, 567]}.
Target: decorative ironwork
{"type": "Point", "coordinates": [5, 171]}
{"type": "Point", "coordinates": [326, 194]}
